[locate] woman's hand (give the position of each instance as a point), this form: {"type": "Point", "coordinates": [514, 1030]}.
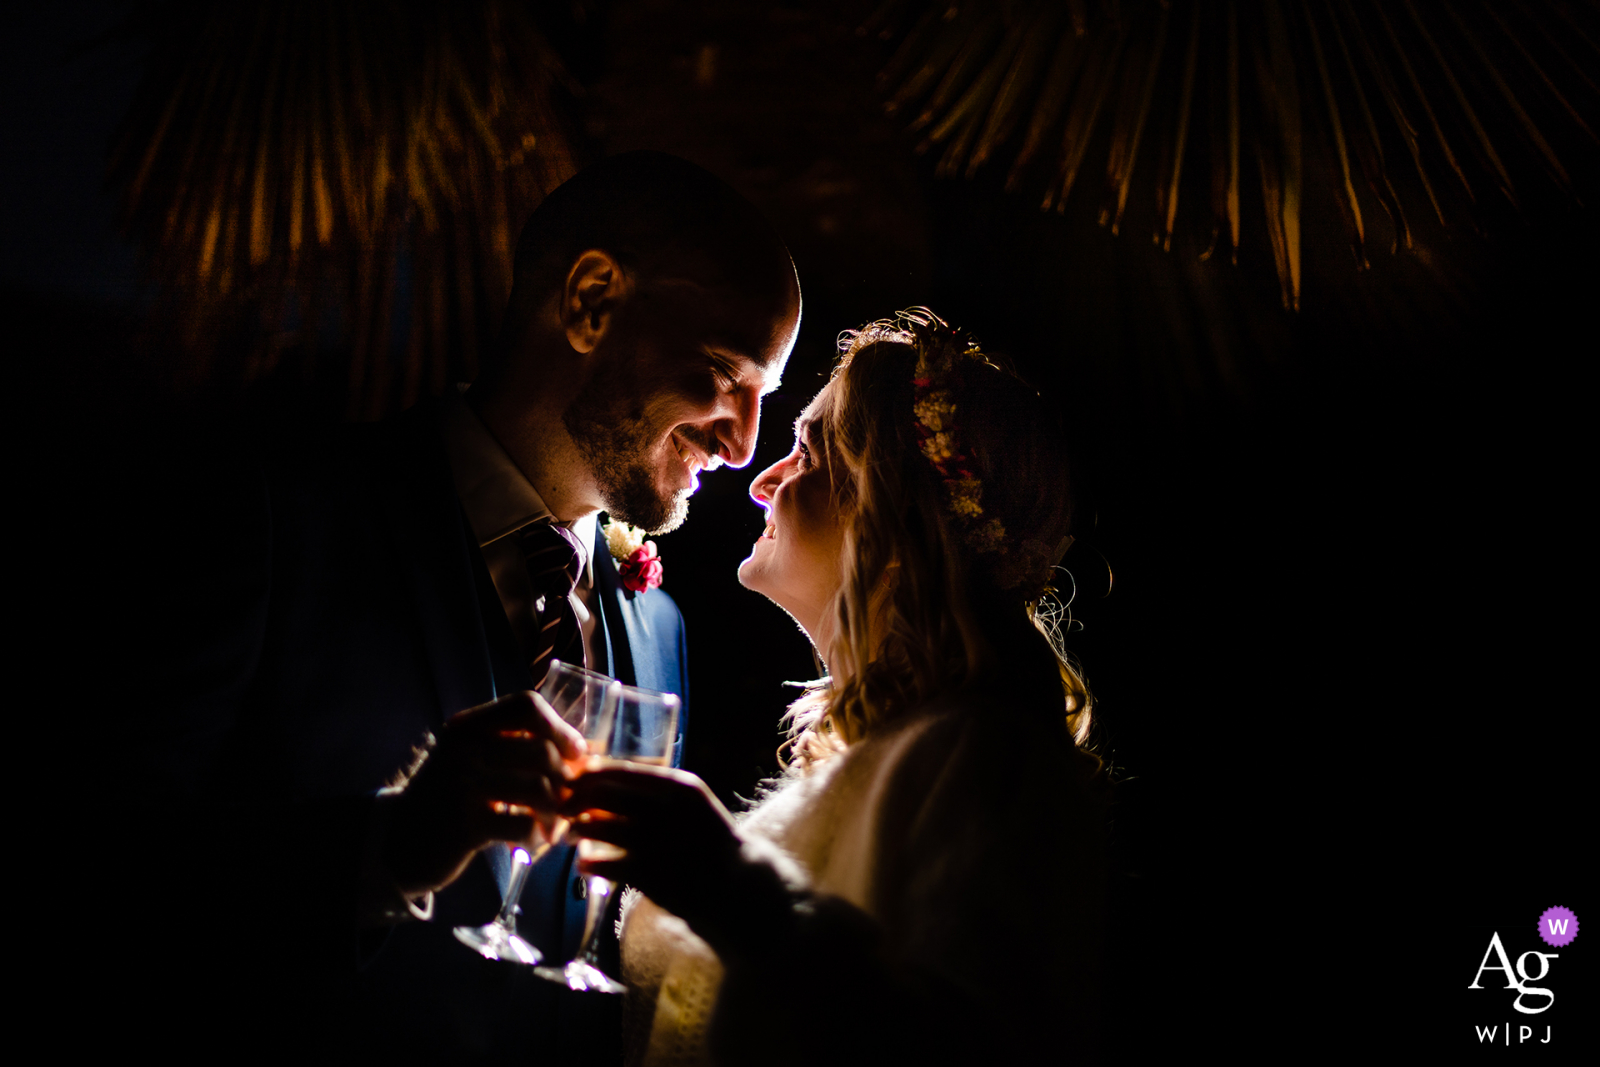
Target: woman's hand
{"type": "Point", "coordinates": [683, 850]}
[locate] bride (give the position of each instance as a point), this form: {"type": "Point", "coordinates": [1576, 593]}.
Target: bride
{"type": "Point", "coordinates": [924, 884]}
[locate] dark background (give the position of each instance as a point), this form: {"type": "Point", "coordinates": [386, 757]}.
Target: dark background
{"type": "Point", "coordinates": [1339, 673]}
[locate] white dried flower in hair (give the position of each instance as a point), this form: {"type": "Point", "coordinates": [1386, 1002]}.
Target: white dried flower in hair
{"type": "Point", "coordinates": [965, 497]}
{"type": "Point", "coordinates": [935, 412]}
{"type": "Point", "coordinates": [940, 448]}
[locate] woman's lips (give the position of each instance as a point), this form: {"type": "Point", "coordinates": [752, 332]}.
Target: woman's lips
{"type": "Point", "coordinates": [770, 532]}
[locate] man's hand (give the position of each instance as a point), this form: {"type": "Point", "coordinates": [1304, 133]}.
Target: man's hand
{"type": "Point", "coordinates": [495, 770]}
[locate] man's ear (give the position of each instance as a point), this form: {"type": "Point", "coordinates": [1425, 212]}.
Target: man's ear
{"type": "Point", "coordinates": [596, 286]}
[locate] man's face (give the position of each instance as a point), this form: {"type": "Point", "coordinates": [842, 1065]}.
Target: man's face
{"type": "Point", "coordinates": [676, 390]}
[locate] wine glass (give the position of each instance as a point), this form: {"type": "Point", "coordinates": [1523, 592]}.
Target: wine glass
{"type": "Point", "coordinates": [586, 701]}
{"type": "Point", "coordinates": [642, 731]}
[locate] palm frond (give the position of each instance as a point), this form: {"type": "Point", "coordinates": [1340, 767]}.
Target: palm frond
{"type": "Point", "coordinates": [1488, 101]}
{"type": "Point", "coordinates": [301, 176]}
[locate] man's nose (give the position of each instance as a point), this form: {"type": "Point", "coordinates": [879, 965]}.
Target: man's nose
{"type": "Point", "coordinates": [737, 433]}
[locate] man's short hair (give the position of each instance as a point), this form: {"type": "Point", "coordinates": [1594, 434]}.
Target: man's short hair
{"type": "Point", "coordinates": [660, 216]}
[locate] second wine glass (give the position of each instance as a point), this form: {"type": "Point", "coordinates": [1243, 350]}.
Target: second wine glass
{"type": "Point", "coordinates": [644, 727]}
{"type": "Point", "coordinates": [587, 701]}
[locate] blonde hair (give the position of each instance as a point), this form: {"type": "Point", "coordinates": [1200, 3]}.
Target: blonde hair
{"type": "Point", "coordinates": [924, 608]}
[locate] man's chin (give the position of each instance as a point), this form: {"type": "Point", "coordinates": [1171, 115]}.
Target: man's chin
{"type": "Point", "coordinates": [656, 515]}
{"type": "Point", "coordinates": [677, 515]}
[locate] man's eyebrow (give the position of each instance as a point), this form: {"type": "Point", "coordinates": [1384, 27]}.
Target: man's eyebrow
{"type": "Point", "coordinates": [743, 364]}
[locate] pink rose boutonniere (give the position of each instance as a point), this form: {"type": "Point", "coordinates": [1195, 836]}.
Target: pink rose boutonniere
{"type": "Point", "coordinates": [636, 558]}
{"type": "Point", "coordinates": [642, 570]}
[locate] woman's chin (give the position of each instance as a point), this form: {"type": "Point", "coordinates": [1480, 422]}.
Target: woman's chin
{"type": "Point", "coordinates": [750, 574]}
{"type": "Point", "coordinates": [756, 572]}
{"type": "Point", "coordinates": [757, 575]}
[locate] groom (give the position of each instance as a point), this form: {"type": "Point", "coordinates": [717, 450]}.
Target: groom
{"type": "Point", "coordinates": [343, 602]}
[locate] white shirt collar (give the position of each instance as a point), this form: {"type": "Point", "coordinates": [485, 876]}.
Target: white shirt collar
{"type": "Point", "coordinates": [495, 494]}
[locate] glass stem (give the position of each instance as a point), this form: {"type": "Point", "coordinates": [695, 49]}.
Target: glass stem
{"type": "Point", "coordinates": [521, 864]}
{"type": "Point", "coordinates": [599, 894]}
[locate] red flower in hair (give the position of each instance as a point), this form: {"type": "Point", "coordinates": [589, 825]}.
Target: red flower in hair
{"type": "Point", "coordinates": [642, 570]}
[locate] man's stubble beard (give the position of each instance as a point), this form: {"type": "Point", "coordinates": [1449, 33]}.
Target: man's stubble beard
{"type": "Point", "coordinates": [615, 442]}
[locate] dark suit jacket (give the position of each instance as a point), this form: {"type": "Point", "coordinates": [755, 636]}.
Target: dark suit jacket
{"type": "Point", "coordinates": [310, 621]}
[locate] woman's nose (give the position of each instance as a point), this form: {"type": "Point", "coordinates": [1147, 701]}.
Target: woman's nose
{"type": "Point", "coordinates": [765, 482]}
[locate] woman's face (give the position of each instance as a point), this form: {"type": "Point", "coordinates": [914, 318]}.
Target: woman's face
{"type": "Point", "coordinates": [797, 562]}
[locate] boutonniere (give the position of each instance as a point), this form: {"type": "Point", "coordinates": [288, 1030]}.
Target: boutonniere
{"type": "Point", "coordinates": [636, 558]}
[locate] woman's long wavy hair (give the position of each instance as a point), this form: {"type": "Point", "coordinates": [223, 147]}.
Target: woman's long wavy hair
{"type": "Point", "coordinates": [921, 613]}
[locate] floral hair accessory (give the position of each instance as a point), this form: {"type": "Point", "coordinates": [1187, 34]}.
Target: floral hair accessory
{"type": "Point", "coordinates": [943, 354]}
{"type": "Point", "coordinates": [636, 558]}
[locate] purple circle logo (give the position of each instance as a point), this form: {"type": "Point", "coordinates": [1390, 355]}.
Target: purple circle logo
{"type": "Point", "coordinates": [1558, 926]}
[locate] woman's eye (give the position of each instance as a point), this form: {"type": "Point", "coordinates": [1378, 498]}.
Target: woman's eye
{"type": "Point", "coordinates": [805, 454]}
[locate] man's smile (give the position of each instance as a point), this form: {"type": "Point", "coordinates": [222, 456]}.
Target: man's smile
{"type": "Point", "coordinates": [691, 464]}
{"type": "Point", "coordinates": [687, 454]}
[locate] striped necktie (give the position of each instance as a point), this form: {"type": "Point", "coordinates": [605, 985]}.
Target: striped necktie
{"type": "Point", "coordinates": [554, 561]}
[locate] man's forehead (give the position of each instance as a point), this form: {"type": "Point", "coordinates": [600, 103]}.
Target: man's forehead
{"type": "Point", "coordinates": [757, 347]}
{"type": "Point", "coordinates": [753, 329]}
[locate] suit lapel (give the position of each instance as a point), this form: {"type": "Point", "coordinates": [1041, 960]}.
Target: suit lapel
{"type": "Point", "coordinates": [471, 650]}
{"type": "Point", "coordinates": [614, 614]}
{"type": "Point", "coordinates": [602, 647]}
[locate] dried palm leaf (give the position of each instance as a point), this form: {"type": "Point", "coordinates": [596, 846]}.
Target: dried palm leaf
{"type": "Point", "coordinates": [1529, 127]}
{"type": "Point", "coordinates": [1139, 88]}
{"type": "Point", "coordinates": [1279, 151]}
{"type": "Point", "coordinates": [1093, 90]}
{"type": "Point", "coordinates": [969, 113]}
{"type": "Point", "coordinates": [968, 60]}
{"type": "Point", "coordinates": [1489, 93]}
{"type": "Point", "coordinates": [1369, 149]}
{"type": "Point", "coordinates": [298, 175]}
{"type": "Point", "coordinates": [1345, 193]}
{"type": "Point", "coordinates": [1057, 83]}
{"type": "Point", "coordinates": [1169, 195]}
{"type": "Point", "coordinates": [1038, 37]}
